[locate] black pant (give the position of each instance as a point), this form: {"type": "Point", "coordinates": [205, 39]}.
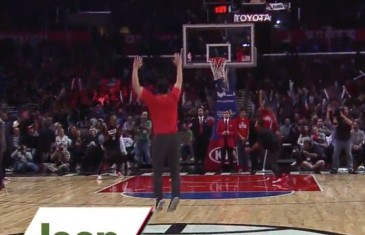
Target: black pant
{"type": "Point", "coordinates": [166, 148]}
{"type": "Point", "coordinates": [272, 161]}
{"type": "Point", "coordinates": [112, 155]}
{"type": "Point", "coordinates": [254, 155]}
{"type": "Point", "coordinates": [226, 150]}
{"type": "Point", "coordinates": [2, 168]}
{"type": "Point", "coordinates": [200, 150]}
{"type": "Point", "coordinates": [358, 156]}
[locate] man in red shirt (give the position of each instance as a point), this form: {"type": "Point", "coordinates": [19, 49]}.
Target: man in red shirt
{"type": "Point", "coordinates": [242, 126]}
{"type": "Point", "coordinates": [166, 142]}
{"type": "Point", "coordinates": [202, 132]}
{"type": "Point", "coordinates": [267, 115]}
{"type": "Point", "coordinates": [226, 131]}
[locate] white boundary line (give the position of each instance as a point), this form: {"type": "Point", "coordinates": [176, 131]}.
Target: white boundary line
{"type": "Point", "coordinates": [109, 186]}
{"type": "Point", "coordinates": [319, 186]}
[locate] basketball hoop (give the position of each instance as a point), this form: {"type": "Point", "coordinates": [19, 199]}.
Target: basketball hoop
{"type": "Point", "coordinates": [218, 65]}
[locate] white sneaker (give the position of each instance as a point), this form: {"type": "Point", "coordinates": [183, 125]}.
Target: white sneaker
{"type": "Point", "coordinates": [282, 179]}
{"type": "Point", "coordinates": [100, 177]}
{"type": "Point", "coordinates": [159, 205]}
{"type": "Point", "coordinates": [173, 204]}
{"type": "Point", "coordinates": [113, 167]}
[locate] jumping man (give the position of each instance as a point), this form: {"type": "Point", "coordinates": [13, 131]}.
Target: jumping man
{"type": "Point", "coordinates": [166, 142]}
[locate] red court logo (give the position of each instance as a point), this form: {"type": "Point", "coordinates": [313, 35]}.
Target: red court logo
{"type": "Point", "coordinates": [200, 187]}
{"type": "Point", "coordinates": [215, 155]}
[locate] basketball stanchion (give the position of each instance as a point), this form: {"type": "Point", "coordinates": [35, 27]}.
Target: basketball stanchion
{"type": "Point", "coordinates": [265, 158]}
{"type": "Point", "coordinates": [264, 163]}
{"type": "Point", "coordinates": [264, 171]}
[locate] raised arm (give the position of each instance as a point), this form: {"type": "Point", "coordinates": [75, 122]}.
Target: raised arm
{"type": "Point", "coordinates": [261, 99]}
{"type": "Point", "coordinates": [137, 64]}
{"type": "Point", "coordinates": [179, 74]}
{"type": "Point", "coordinates": [347, 120]}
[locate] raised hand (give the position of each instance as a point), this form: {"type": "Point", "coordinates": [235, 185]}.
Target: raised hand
{"type": "Point", "coordinates": [179, 70]}
{"type": "Point", "coordinates": [177, 59]}
{"type": "Point", "coordinates": [137, 63]}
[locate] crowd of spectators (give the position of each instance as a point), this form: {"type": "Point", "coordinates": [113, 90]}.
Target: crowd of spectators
{"type": "Point", "coordinates": [59, 93]}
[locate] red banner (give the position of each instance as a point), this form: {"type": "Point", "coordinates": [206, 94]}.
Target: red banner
{"type": "Point", "coordinates": [299, 36]}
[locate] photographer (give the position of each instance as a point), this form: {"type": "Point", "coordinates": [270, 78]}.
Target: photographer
{"type": "Point", "coordinates": [93, 153]}
{"type": "Point", "coordinates": [342, 139]}
{"type": "Point", "coordinates": [23, 160]}
{"type": "Point", "coordinates": [357, 145]}
{"type": "Point", "coordinates": [310, 157]}
{"type": "Point", "coordinates": [60, 158]}
{"type": "Point", "coordinates": [143, 131]}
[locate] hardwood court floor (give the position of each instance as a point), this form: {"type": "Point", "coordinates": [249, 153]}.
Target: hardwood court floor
{"type": "Point", "coordinates": [338, 208]}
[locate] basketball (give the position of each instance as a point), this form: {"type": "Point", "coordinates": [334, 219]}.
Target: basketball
{"type": "Point", "coordinates": [210, 121]}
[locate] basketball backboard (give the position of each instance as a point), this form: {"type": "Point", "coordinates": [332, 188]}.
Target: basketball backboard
{"type": "Point", "coordinates": [234, 42]}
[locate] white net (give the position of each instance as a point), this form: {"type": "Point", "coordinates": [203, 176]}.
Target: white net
{"type": "Point", "coordinates": [218, 67]}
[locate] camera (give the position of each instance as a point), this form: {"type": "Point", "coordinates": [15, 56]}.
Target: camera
{"type": "Point", "coordinates": [338, 112]}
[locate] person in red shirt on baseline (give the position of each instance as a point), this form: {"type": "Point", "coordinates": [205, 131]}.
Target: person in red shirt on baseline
{"type": "Point", "coordinates": [268, 140]}
{"type": "Point", "coordinates": [268, 120]}
{"type": "Point", "coordinates": [267, 115]}
{"type": "Point", "coordinates": [243, 124]}
{"type": "Point", "coordinates": [166, 142]}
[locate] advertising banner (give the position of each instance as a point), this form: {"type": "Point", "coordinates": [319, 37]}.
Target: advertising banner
{"type": "Point", "coordinates": [251, 18]}
{"type": "Point", "coordinates": [62, 220]}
